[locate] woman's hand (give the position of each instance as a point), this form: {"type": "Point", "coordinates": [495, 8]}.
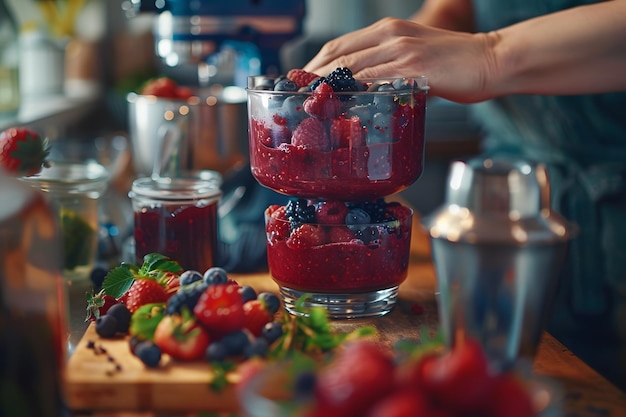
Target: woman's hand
{"type": "Point", "coordinates": [458, 65]}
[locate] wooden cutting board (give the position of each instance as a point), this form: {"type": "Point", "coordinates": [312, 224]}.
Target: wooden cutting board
{"type": "Point", "coordinates": [92, 381]}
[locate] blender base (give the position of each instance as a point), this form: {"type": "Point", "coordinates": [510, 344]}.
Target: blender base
{"type": "Point", "coordinates": [342, 306]}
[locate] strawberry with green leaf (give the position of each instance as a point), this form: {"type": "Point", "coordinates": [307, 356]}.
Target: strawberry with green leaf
{"type": "Point", "coordinates": [136, 286]}
{"type": "Point", "coordinates": [181, 337]}
{"type": "Point", "coordinates": [23, 151]}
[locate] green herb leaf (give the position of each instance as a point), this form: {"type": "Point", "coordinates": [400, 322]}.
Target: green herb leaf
{"type": "Point", "coordinates": [144, 321]}
{"type": "Point", "coordinates": [157, 262]}
{"type": "Point", "coordinates": [118, 281]}
{"type": "Point", "coordinates": [220, 374]}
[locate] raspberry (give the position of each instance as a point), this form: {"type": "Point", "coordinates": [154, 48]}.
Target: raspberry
{"type": "Point", "coordinates": [278, 224]}
{"type": "Point", "coordinates": [398, 211]}
{"type": "Point", "coordinates": [301, 77]}
{"type": "Point", "coordinates": [306, 236]}
{"type": "Point", "coordinates": [220, 308]}
{"type": "Point", "coordinates": [331, 212]}
{"type": "Point", "coordinates": [340, 234]}
{"type": "Point", "coordinates": [311, 134]}
{"type": "Point", "coordinates": [346, 133]}
{"type": "Point", "coordinates": [323, 103]}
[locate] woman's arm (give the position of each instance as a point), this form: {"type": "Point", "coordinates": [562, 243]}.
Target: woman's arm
{"type": "Point", "coordinates": [575, 51]}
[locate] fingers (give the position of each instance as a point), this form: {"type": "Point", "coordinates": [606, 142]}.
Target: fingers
{"type": "Point", "coordinates": [339, 51]}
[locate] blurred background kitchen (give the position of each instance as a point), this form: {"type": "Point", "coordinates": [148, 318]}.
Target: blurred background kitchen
{"type": "Point", "coordinates": [80, 58]}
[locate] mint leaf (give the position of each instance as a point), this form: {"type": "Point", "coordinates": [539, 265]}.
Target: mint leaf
{"type": "Point", "coordinates": [117, 281]}
{"type": "Point", "coordinates": [157, 262]}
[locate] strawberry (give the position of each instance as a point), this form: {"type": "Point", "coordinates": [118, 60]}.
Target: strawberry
{"type": "Point", "coordinates": [181, 337]}
{"type": "Point", "coordinates": [98, 305]}
{"type": "Point", "coordinates": [172, 283]}
{"type": "Point", "coordinates": [301, 77]}
{"type": "Point", "coordinates": [331, 212]}
{"type": "Point", "coordinates": [359, 376]}
{"type": "Point", "coordinates": [144, 291]}
{"type": "Point", "coordinates": [220, 308]}
{"type": "Point", "coordinates": [22, 151]}
{"type": "Point", "coordinates": [257, 316]}
{"type": "Point", "coordinates": [311, 134]}
{"type": "Point", "coordinates": [459, 378]}
{"type": "Point", "coordinates": [323, 103]}
{"type": "Point", "coordinates": [509, 398]}
{"type": "Point", "coordinates": [162, 87]}
{"type": "Point", "coordinates": [306, 236]}
{"type": "Point", "coordinates": [345, 133]}
{"type": "Point", "coordinates": [405, 402]}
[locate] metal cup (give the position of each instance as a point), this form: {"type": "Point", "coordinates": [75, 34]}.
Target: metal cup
{"type": "Point", "coordinates": [206, 132]}
{"type": "Point", "coordinates": [497, 248]}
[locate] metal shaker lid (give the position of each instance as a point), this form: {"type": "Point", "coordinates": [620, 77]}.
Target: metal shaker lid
{"type": "Point", "coordinates": [500, 200]}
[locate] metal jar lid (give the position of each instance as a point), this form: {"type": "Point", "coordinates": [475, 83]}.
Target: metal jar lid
{"type": "Point", "coordinates": [500, 200]}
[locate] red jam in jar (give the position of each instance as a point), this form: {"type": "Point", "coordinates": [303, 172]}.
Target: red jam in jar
{"type": "Point", "coordinates": [176, 217]}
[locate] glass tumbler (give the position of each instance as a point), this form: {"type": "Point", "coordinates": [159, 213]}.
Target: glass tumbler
{"type": "Point", "coordinates": [176, 217]}
{"type": "Point", "coordinates": [74, 189]}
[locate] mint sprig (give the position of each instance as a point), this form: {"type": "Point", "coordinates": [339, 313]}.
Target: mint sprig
{"type": "Point", "coordinates": [120, 278]}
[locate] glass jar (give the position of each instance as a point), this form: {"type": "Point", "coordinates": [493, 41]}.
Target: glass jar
{"type": "Point", "coordinates": [32, 305]}
{"type": "Point", "coordinates": [74, 188]}
{"type": "Point", "coordinates": [176, 217]}
{"type": "Point", "coordinates": [9, 63]}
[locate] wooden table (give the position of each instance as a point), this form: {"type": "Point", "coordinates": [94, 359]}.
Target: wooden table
{"type": "Point", "coordinates": [585, 393]}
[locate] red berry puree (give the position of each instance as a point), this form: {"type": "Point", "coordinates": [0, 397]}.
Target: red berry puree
{"type": "Point", "coordinates": [331, 261]}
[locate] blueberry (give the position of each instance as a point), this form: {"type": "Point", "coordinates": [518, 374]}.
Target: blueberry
{"type": "Point", "coordinates": [215, 275]}
{"type": "Point", "coordinates": [247, 293]}
{"type": "Point", "coordinates": [272, 331]}
{"type": "Point", "coordinates": [304, 384]}
{"type": "Point", "coordinates": [148, 353]}
{"type": "Point", "coordinates": [106, 326]}
{"type": "Point", "coordinates": [122, 315]}
{"type": "Point", "coordinates": [271, 301]}
{"type": "Point", "coordinates": [97, 276]}
{"type": "Point", "coordinates": [186, 297]}
{"type": "Point", "coordinates": [257, 347]}
{"type": "Point", "coordinates": [189, 276]}
{"type": "Point", "coordinates": [236, 342]}
{"type": "Point", "coordinates": [285, 84]}
{"type": "Point", "coordinates": [357, 217]}
{"type": "Point", "coordinates": [403, 84]}
{"type": "Point", "coordinates": [216, 352]}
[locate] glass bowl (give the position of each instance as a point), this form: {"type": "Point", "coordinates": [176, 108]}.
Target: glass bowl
{"type": "Point", "coordinates": [349, 146]}
{"type": "Point", "coordinates": [352, 270]}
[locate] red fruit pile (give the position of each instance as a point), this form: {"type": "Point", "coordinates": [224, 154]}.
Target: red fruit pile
{"type": "Point", "coordinates": [165, 87]}
{"type": "Point", "coordinates": [363, 381]}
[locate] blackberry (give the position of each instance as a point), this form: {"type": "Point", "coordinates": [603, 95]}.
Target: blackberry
{"type": "Point", "coordinates": [341, 79]}
{"type": "Point", "coordinates": [316, 83]}
{"type": "Point", "coordinates": [299, 211]}
{"type": "Point", "coordinates": [186, 297]}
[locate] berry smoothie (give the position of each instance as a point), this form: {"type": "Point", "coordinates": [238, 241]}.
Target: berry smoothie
{"type": "Point", "coordinates": [339, 258]}
{"type": "Point", "coordinates": [347, 145]}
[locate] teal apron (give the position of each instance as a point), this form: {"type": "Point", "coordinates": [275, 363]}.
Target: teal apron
{"type": "Point", "coordinates": [582, 140]}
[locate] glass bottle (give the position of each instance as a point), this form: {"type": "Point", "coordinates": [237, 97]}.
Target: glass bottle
{"type": "Point", "coordinates": [9, 63]}
{"type": "Point", "coordinates": [33, 336]}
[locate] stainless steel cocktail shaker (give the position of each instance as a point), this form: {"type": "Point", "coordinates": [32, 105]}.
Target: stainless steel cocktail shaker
{"type": "Point", "coordinates": [497, 248]}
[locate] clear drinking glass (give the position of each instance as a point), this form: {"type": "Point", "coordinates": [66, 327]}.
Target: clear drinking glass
{"type": "Point", "coordinates": [74, 189]}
